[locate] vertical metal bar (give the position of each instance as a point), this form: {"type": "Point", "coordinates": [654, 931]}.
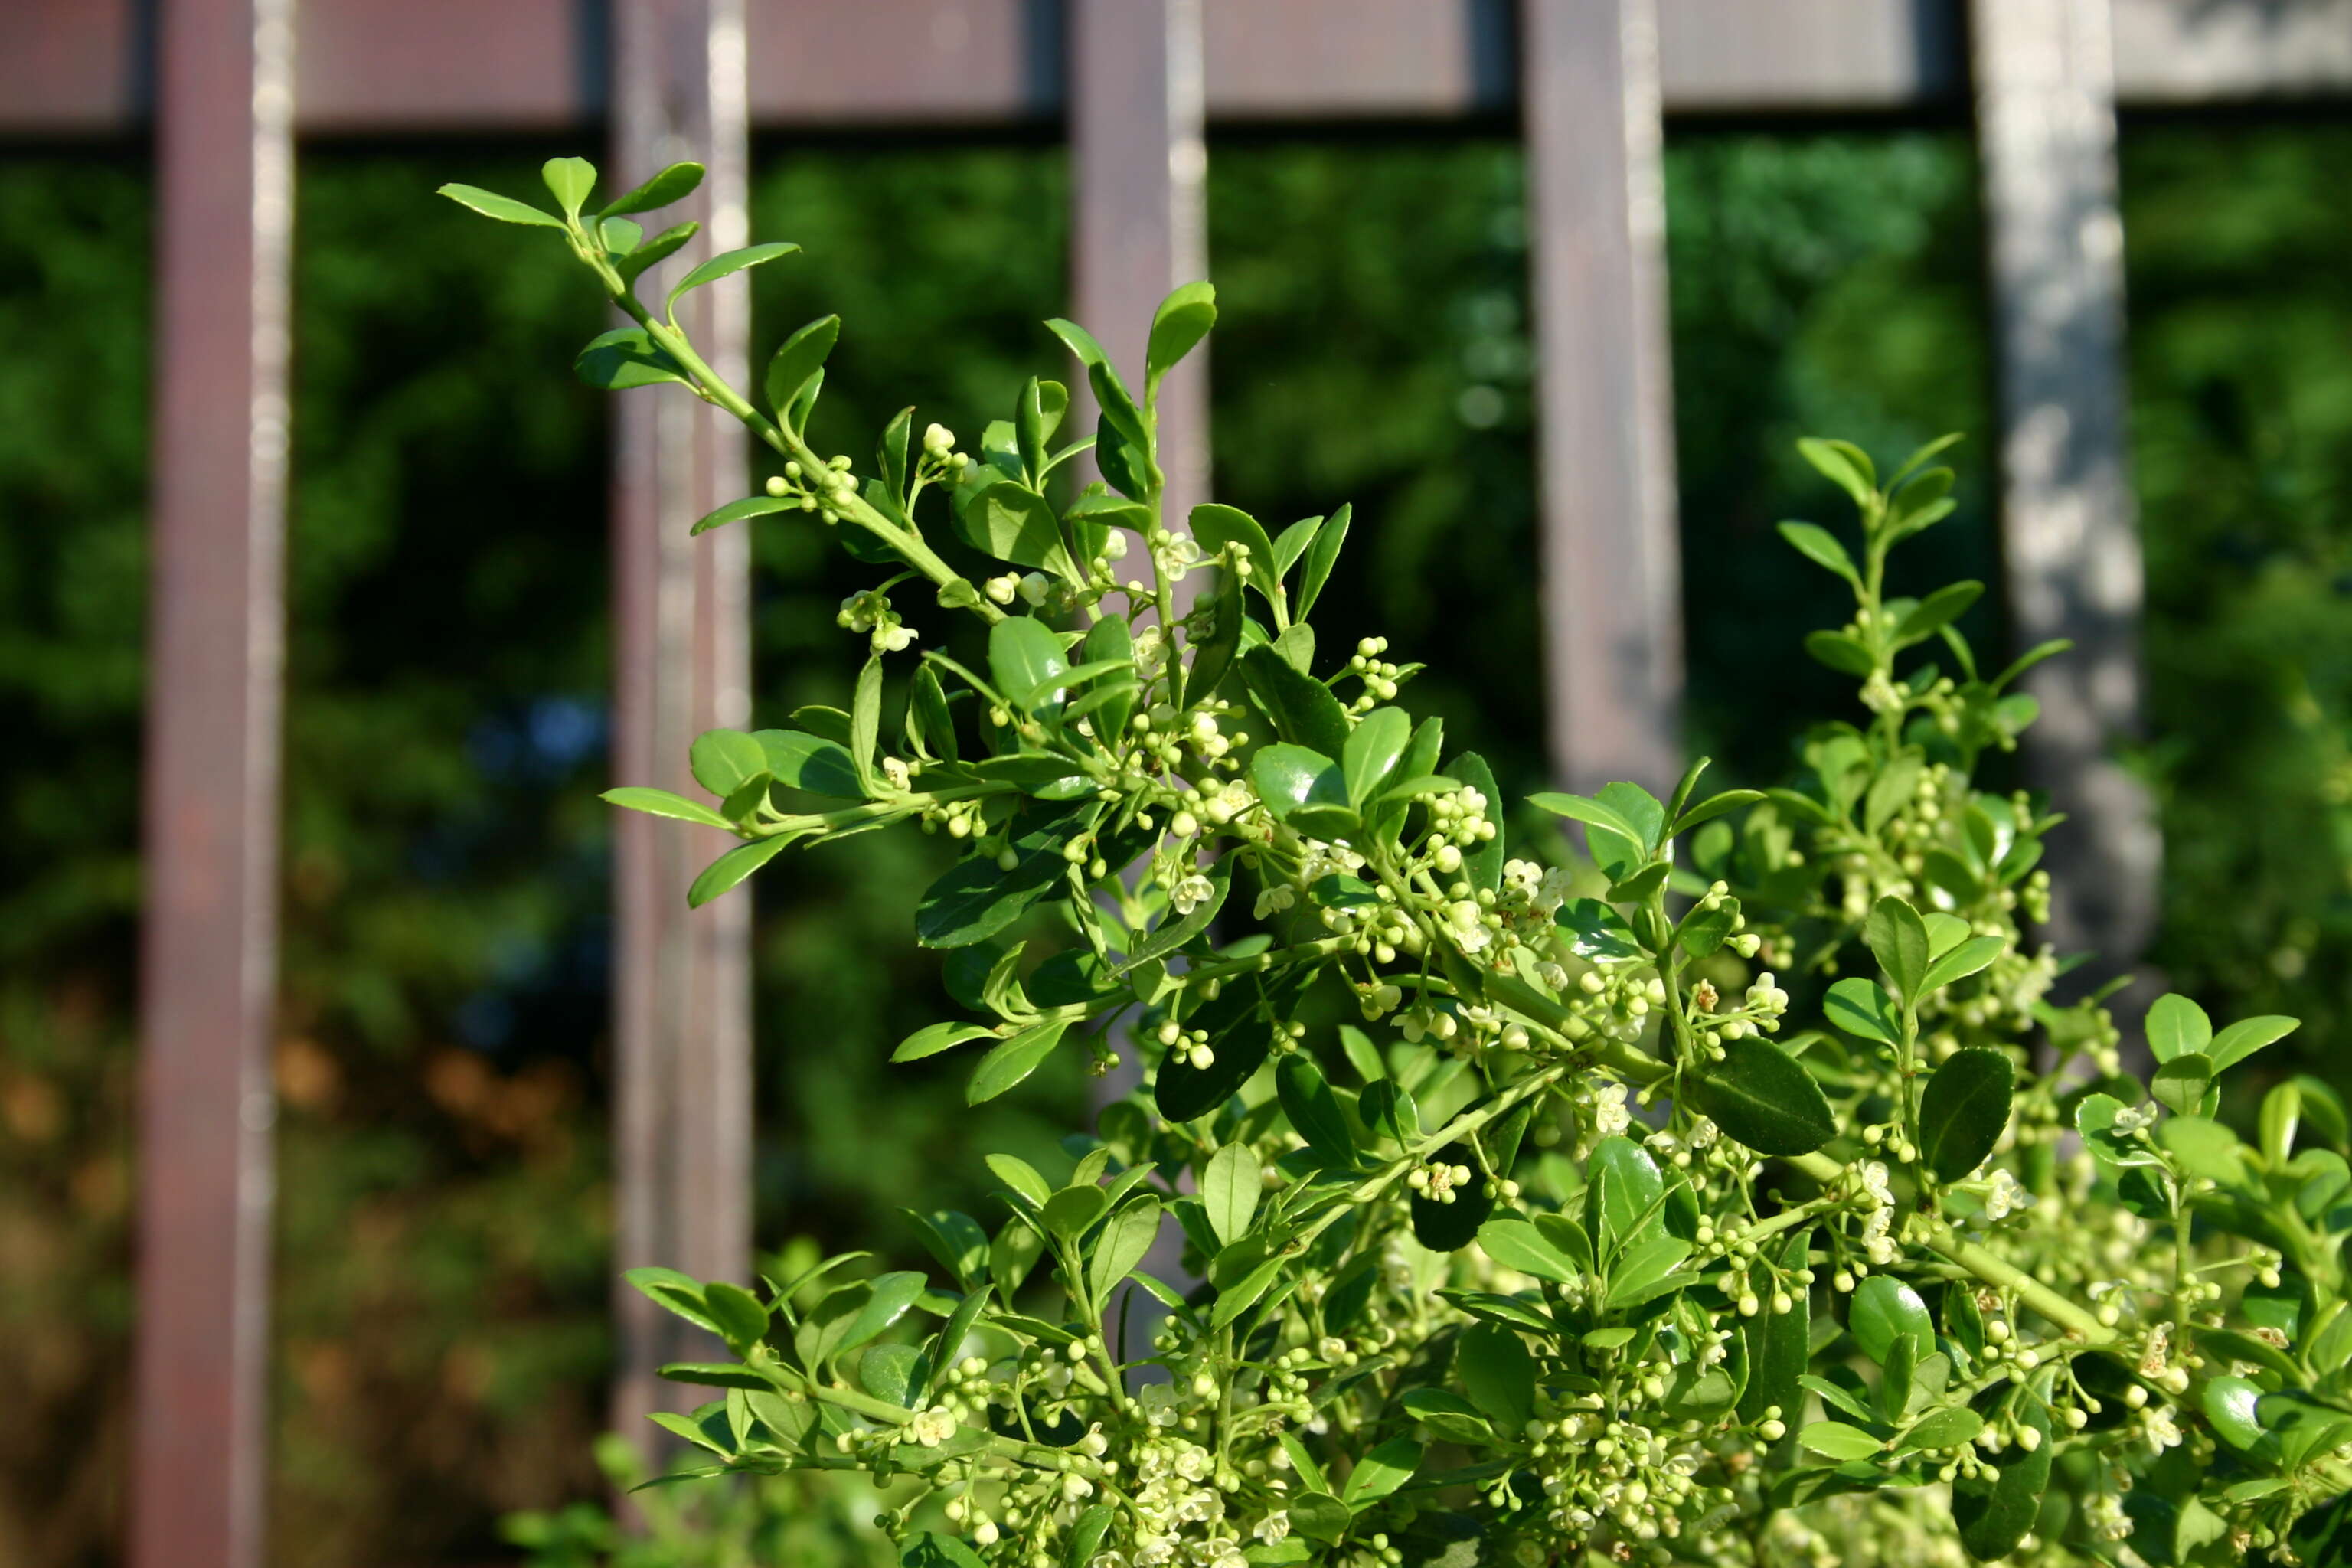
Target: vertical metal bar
{"type": "Point", "coordinates": [2047, 124]}
{"type": "Point", "coordinates": [1611, 586]}
{"type": "Point", "coordinates": [1137, 168]}
{"type": "Point", "coordinates": [216, 662]}
{"type": "Point", "coordinates": [682, 981]}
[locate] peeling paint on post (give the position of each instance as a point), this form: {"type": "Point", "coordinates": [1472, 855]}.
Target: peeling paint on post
{"type": "Point", "coordinates": [2046, 123]}
{"type": "Point", "coordinates": [1612, 560]}
{"type": "Point", "coordinates": [682, 1002]}
{"type": "Point", "coordinates": [215, 667]}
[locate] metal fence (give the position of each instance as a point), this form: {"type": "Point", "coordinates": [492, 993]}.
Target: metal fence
{"type": "Point", "coordinates": [225, 87]}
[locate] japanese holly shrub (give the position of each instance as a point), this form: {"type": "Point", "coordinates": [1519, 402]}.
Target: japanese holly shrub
{"type": "Point", "coordinates": [1737, 1194]}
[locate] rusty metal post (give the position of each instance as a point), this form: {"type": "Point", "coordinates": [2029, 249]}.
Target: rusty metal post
{"type": "Point", "coordinates": [2046, 123]}
{"type": "Point", "coordinates": [1611, 583]}
{"type": "Point", "coordinates": [1137, 221]}
{"type": "Point", "coordinates": [681, 638]}
{"type": "Point", "coordinates": [208, 976]}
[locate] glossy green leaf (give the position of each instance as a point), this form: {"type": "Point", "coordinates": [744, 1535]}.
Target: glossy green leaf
{"type": "Point", "coordinates": [1387, 1108]}
{"type": "Point", "coordinates": [1836, 1440]}
{"type": "Point", "coordinates": [1948, 1427]}
{"type": "Point", "coordinates": [1313, 1112]}
{"type": "Point", "coordinates": [1964, 1109]}
{"type": "Point", "coordinates": [1647, 1269]}
{"type": "Point", "coordinates": [937, 1038]}
{"type": "Point", "coordinates": [1844, 464]}
{"type": "Point", "coordinates": [802, 356]}
{"type": "Point", "coordinates": [1027, 662]}
{"type": "Point", "coordinates": [505, 209]}
{"type": "Point", "coordinates": [1780, 1344]}
{"type": "Point", "coordinates": [1483, 868]}
{"type": "Point", "coordinates": [1898, 939]}
{"type": "Point", "coordinates": [2176, 1025]}
{"type": "Point", "coordinates": [1514, 1244]}
{"type": "Point", "coordinates": [569, 181]}
{"type": "Point", "coordinates": [1498, 1373]}
{"type": "Point", "coordinates": [1022, 1177]}
{"type": "Point", "coordinates": [661, 802]}
{"type": "Point", "coordinates": [1861, 1008]}
{"type": "Point", "coordinates": [1820, 547]}
{"type": "Point", "coordinates": [1940, 608]}
{"type": "Point", "coordinates": [1229, 1191]}
{"type": "Point", "coordinates": [1882, 1308]}
{"type": "Point", "coordinates": [625, 357]}
{"type": "Point", "coordinates": [1381, 1472]}
{"type": "Point", "coordinates": [978, 899]}
{"type": "Point", "coordinates": [726, 264]}
{"type": "Point", "coordinates": [1302, 709]}
{"type": "Point", "coordinates": [1994, 1515]}
{"type": "Point", "coordinates": [1014, 1060]}
{"type": "Point", "coordinates": [1597, 932]}
{"type": "Point", "coordinates": [1763, 1097]}
{"type": "Point", "coordinates": [1592, 813]}
{"type": "Point", "coordinates": [1962, 960]}
{"type": "Point", "coordinates": [1215, 526]}
{"type": "Point", "coordinates": [1321, 556]}
{"type": "Point", "coordinates": [732, 867]}
{"type": "Point", "coordinates": [2242, 1039]}
{"type": "Point", "coordinates": [673, 184]}
{"type": "Point", "coordinates": [1289, 777]}
{"type": "Point", "coordinates": [1369, 758]}
{"type": "Point", "coordinates": [2179, 1085]}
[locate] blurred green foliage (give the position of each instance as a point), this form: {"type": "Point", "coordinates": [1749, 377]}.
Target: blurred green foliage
{"type": "Point", "coordinates": [443, 1232]}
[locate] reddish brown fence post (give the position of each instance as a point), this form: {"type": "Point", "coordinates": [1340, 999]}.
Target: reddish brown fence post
{"type": "Point", "coordinates": [2046, 121]}
{"type": "Point", "coordinates": [1611, 583]}
{"type": "Point", "coordinates": [1136, 164]}
{"type": "Point", "coordinates": [216, 659]}
{"type": "Point", "coordinates": [681, 665]}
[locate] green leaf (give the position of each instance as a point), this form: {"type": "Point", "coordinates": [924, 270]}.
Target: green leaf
{"type": "Point", "coordinates": [1483, 868]}
{"type": "Point", "coordinates": [1780, 1344]}
{"type": "Point", "coordinates": [1820, 547]}
{"type": "Point", "coordinates": [1939, 609]}
{"type": "Point", "coordinates": [1836, 1440]}
{"type": "Point", "coordinates": [1087, 1535]}
{"type": "Point", "coordinates": [1713, 806]}
{"type": "Point", "coordinates": [1291, 542]}
{"type": "Point", "coordinates": [737, 510]}
{"type": "Point", "coordinates": [1321, 556]}
{"type": "Point", "coordinates": [1314, 1114]}
{"type": "Point", "coordinates": [887, 1301]}
{"type": "Point", "coordinates": [569, 181]}
{"type": "Point", "coordinates": [1597, 931]}
{"type": "Point", "coordinates": [673, 184]}
{"type": "Point", "coordinates": [1318, 1516]}
{"type": "Point", "coordinates": [802, 356]}
{"type": "Point", "coordinates": [1963, 962]}
{"type": "Point", "coordinates": [932, 1041]}
{"type": "Point", "coordinates": [1624, 1192]}
{"type": "Point", "coordinates": [1387, 1108]}
{"type": "Point", "coordinates": [1072, 1211]}
{"type": "Point", "coordinates": [1861, 1008]}
{"type": "Point", "coordinates": [1243, 1294]}
{"type": "Point", "coordinates": [1647, 1270]}
{"type": "Point", "coordinates": [661, 802]}
{"type": "Point", "coordinates": [893, 1373]}
{"type": "Point", "coordinates": [727, 263]}
{"type": "Point", "coordinates": [625, 357]}
{"type": "Point", "coordinates": [2179, 1085]}
{"type": "Point", "coordinates": [2176, 1026]}
{"type": "Point", "coordinates": [1370, 755]}
{"type": "Point", "coordinates": [1022, 1177]}
{"type": "Point", "coordinates": [1840, 652]}
{"type": "Point", "coordinates": [930, 1550]}
{"type": "Point", "coordinates": [732, 867]}
{"type": "Point", "coordinates": [1183, 319]}
{"type": "Point", "coordinates": [1448, 1414]}
{"type": "Point", "coordinates": [1302, 709]}
{"type": "Point", "coordinates": [1588, 811]}
{"type": "Point", "coordinates": [1948, 1427]}
{"type": "Point", "coordinates": [1764, 1098]}
{"type": "Point", "coordinates": [1883, 1306]}
{"type": "Point", "coordinates": [977, 898]}
{"type": "Point", "coordinates": [1289, 778]}
{"type": "Point", "coordinates": [722, 759]}
{"type": "Point", "coordinates": [1994, 1515]}
{"type": "Point", "coordinates": [1514, 1244]}
{"type": "Point", "coordinates": [1174, 931]}
{"type": "Point", "coordinates": [1126, 1240]}
{"type": "Point", "coordinates": [681, 1293]}
{"type": "Point", "coordinates": [2247, 1035]}
{"type": "Point", "coordinates": [1215, 526]}
{"type": "Point", "coordinates": [1381, 1472]}
{"type": "Point", "coordinates": [1898, 939]}
{"type": "Point", "coordinates": [803, 760]}
{"type": "Point", "coordinates": [653, 252]}
{"type": "Point", "coordinates": [1014, 1060]}
{"type": "Point", "coordinates": [1027, 662]}
{"type": "Point", "coordinates": [1963, 1110]}
{"type": "Point", "coordinates": [1212, 654]}
{"type": "Point", "coordinates": [1229, 1191]}
{"type": "Point", "coordinates": [505, 209]}
{"type": "Point", "coordinates": [1844, 465]}
{"type": "Point", "coordinates": [1498, 1373]}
